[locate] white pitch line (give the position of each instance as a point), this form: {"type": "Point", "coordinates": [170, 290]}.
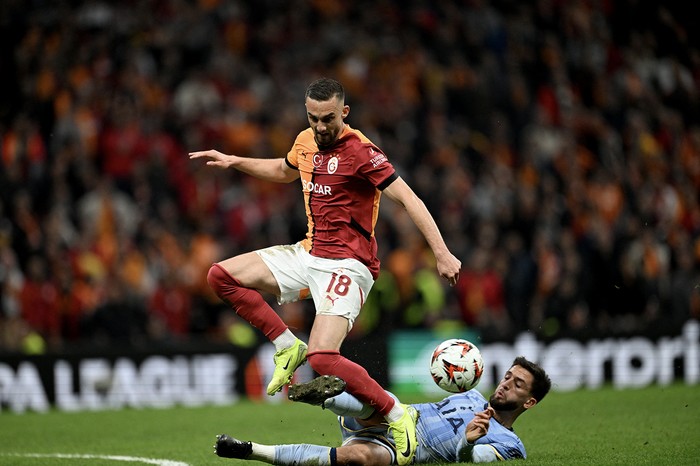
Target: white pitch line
{"type": "Point", "coordinates": [131, 459]}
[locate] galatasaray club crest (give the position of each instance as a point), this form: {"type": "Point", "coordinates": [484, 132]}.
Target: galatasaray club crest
{"type": "Point", "coordinates": [332, 165]}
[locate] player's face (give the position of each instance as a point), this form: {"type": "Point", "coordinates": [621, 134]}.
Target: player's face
{"type": "Point", "coordinates": [513, 391]}
{"type": "Point", "coordinates": [326, 119]}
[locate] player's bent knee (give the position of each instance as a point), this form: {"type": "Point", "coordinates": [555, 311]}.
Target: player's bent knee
{"type": "Point", "coordinates": [218, 279]}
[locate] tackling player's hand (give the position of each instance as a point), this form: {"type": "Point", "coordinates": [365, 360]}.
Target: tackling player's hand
{"type": "Point", "coordinates": [478, 426]}
{"type": "Point", "coordinates": [214, 158]}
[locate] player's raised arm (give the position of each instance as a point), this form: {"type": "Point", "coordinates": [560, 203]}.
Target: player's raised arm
{"type": "Point", "coordinates": [447, 264]}
{"type": "Point", "coordinates": [275, 170]}
{"type": "Point", "coordinates": [478, 426]}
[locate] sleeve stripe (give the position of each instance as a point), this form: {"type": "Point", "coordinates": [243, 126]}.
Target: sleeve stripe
{"type": "Point", "coordinates": [498, 455]}
{"type": "Point", "coordinates": [289, 164]}
{"type": "Point", "coordinates": [388, 181]}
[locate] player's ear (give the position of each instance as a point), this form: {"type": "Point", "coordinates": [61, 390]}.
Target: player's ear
{"type": "Point", "coordinates": [530, 403]}
{"type": "Point", "coordinates": [346, 111]}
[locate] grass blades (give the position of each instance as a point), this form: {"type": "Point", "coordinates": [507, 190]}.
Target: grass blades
{"type": "Point", "coordinates": [655, 425]}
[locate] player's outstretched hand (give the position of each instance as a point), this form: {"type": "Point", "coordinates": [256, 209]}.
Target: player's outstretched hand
{"type": "Point", "coordinates": [214, 158]}
{"type": "Point", "coordinates": [478, 426]}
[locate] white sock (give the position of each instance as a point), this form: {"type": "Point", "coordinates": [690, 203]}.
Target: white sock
{"type": "Point", "coordinates": [264, 453]}
{"type": "Point", "coordinates": [395, 413]}
{"type": "Point", "coordinates": [284, 341]}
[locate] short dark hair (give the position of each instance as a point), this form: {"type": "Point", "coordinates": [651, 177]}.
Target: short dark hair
{"type": "Point", "coordinates": [540, 380]}
{"type": "Point", "coordinates": [325, 89]}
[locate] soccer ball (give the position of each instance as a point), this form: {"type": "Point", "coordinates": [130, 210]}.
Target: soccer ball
{"type": "Point", "coordinates": [456, 365]}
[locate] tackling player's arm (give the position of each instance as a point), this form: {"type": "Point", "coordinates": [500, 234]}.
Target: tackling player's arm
{"type": "Point", "coordinates": [447, 264]}
{"type": "Point", "coordinates": [478, 427]}
{"type": "Point", "coordinates": [276, 170]}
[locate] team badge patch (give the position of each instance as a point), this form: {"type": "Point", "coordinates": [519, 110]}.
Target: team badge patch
{"type": "Point", "coordinates": [332, 165]}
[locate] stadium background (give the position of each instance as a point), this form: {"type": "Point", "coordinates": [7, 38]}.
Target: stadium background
{"type": "Point", "coordinates": [556, 143]}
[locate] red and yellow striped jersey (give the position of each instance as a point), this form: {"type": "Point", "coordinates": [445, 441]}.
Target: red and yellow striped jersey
{"type": "Point", "coordinates": [342, 186]}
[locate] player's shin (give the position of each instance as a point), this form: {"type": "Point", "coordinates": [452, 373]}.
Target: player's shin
{"type": "Point", "coordinates": [292, 455]}
{"type": "Point", "coordinates": [248, 303]}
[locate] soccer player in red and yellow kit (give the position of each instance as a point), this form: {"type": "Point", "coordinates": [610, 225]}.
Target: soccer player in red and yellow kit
{"type": "Point", "coordinates": [343, 176]}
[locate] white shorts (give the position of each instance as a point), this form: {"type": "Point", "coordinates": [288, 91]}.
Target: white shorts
{"type": "Point", "coordinates": [338, 287]}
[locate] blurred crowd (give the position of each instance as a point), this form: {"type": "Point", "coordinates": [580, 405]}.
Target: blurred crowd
{"type": "Point", "coordinates": [557, 144]}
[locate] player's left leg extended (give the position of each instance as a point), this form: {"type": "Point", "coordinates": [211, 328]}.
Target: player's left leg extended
{"type": "Point", "coordinates": [285, 455]}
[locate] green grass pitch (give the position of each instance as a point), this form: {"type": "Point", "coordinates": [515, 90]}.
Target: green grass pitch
{"type": "Point", "coordinates": [655, 426]}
